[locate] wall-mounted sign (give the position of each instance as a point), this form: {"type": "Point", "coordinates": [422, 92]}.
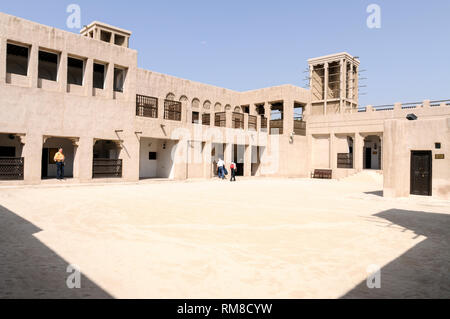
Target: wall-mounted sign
{"type": "Point", "coordinates": [440, 156]}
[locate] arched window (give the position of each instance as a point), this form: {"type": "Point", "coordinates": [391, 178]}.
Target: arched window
{"type": "Point", "coordinates": [237, 109]}
{"type": "Point", "coordinates": [228, 107]}
{"type": "Point", "coordinates": [207, 105]}
{"type": "Point", "coordinates": [170, 97]}
{"type": "Point", "coordinates": [184, 99]}
{"type": "Point", "coordinates": [195, 103]}
{"type": "Point", "coordinates": [218, 107]}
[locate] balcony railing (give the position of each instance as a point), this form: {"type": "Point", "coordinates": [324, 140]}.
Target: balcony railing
{"type": "Point", "coordinates": [276, 127]}
{"type": "Point", "coordinates": [172, 110]}
{"type": "Point", "coordinates": [252, 122]}
{"type": "Point", "coordinates": [11, 168]}
{"type": "Point", "coordinates": [220, 119]}
{"type": "Point", "coordinates": [238, 121]}
{"type": "Point", "coordinates": [146, 106]}
{"type": "Point", "coordinates": [107, 168]}
{"type": "Point", "coordinates": [206, 119]}
{"type": "Point", "coordinates": [345, 160]}
{"type": "Point", "coordinates": [264, 124]}
{"type": "Point", "coordinates": [299, 127]}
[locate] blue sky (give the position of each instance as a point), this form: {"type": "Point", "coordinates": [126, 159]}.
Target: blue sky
{"type": "Point", "coordinates": [244, 45]}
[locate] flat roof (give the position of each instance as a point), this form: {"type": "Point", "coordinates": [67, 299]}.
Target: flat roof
{"type": "Point", "coordinates": [106, 26]}
{"type": "Point", "coordinates": [333, 57]}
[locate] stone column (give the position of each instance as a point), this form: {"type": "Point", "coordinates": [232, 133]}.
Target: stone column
{"type": "Point", "coordinates": [358, 150]}
{"type": "Point", "coordinates": [3, 55]}
{"type": "Point", "coordinates": [248, 161]}
{"type": "Point", "coordinates": [343, 85]}
{"type": "Point", "coordinates": [288, 117]}
{"type": "Point", "coordinates": [62, 72]}
{"type": "Point", "coordinates": [228, 153]}
{"type": "Point", "coordinates": [84, 158]}
{"type": "Point", "coordinates": [88, 80]}
{"type": "Point", "coordinates": [207, 168]}
{"type": "Point", "coordinates": [32, 153]}
{"type": "Point", "coordinates": [246, 121]}
{"type": "Point", "coordinates": [109, 81]}
{"type": "Point", "coordinates": [351, 83]}
{"type": "Point", "coordinates": [382, 153]}
{"type": "Point", "coordinates": [333, 156]}
{"type": "Point", "coordinates": [325, 83]}
{"type": "Point", "coordinates": [161, 108]}
{"type": "Point", "coordinates": [33, 65]}
{"type": "Point", "coordinates": [229, 116]}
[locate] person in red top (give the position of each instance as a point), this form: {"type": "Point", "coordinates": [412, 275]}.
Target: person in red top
{"type": "Point", "coordinates": [233, 169]}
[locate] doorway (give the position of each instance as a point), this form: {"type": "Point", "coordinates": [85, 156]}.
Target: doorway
{"type": "Point", "coordinates": [421, 173]}
{"type": "Point", "coordinates": [368, 158]}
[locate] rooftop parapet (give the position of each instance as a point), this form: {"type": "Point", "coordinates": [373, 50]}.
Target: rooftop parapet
{"type": "Point", "coordinates": [107, 33]}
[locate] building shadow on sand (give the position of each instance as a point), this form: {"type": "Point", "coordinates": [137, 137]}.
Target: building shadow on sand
{"type": "Point", "coordinates": [421, 272]}
{"type": "Point", "coordinates": [30, 270]}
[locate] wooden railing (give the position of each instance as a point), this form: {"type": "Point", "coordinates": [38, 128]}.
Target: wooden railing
{"type": "Point", "coordinates": [238, 120]}
{"type": "Point", "coordinates": [172, 110]}
{"type": "Point", "coordinates": [107, 168]}
{"type": "Point", "coordinates": [220, 119]}
{"type": "Point", "coordinates": [299, 127]}
{"type": "Point", "coordinates": [206, 119]}
{"type": "Point", "coordinates": [276, 127]}
{"type": "Point", "coordinates": [252, 122]}
{"type": "Point", "coordinates": [345, 160]}
{"type": "Point", "coordinates": [146, 106]}
{"type": "Point", "coordinates": [11, 168]}
{"type": "Point", "coordinates": [264, 124]}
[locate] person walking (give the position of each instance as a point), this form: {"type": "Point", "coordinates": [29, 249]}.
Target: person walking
{"type": "Point", "coordinates": [221, 168]}
{"type": "Point", "coordinates": [233, 168]}
{"type": "Point", "coordinates": [59, 160]}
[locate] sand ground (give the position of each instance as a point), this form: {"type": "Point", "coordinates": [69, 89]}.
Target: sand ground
{"type": "Point", "coordinates": [258, 238]}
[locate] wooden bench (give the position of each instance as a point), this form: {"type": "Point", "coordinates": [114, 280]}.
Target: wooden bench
{"type": "Point", "coordinates": [323, 174]}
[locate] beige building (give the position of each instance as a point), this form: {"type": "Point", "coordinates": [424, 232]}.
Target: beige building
{"type": "Point", "coordinates": [85, 93]}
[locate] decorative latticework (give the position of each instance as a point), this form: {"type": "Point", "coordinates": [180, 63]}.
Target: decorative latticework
{"type": "Point", "coordinates": [345, 160]}
{"type": "Point", "coordinates": [12, 168]}
{"type": "Point", "coordinates": [206, 119]}
{"type": "Point", "coordinates": [107, 168]}
{"type": "Point", "coordinates": [238, 121]}
{"type": "Point", "coordinates": [300, 127]}
{"type": "Point", "coordinates": [220, 119]}
{"type": "Point", "coordinates": [252, 122]}
{"type": "Point", "coordinates": [146, 106]}
{"type": "Point", "coordinates": [172, 110]}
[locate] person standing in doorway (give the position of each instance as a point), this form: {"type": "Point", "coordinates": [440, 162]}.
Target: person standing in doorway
{"type": "Point", "coordinates": [221, 168]}
{"type": "Point", "coordinates": [233, 168]}
{"type": "Point", "coordinates": [59, 160]}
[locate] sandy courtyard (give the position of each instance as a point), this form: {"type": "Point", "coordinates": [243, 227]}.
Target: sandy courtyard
{"type": "Point", "coordinates": [260, 238]}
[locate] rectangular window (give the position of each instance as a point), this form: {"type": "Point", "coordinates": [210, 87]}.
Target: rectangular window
{"type": "Point", "coordinates": [105, 36]}
{"type": "Point", "coordinates": [152, 156]}
{"type": "Point", "coordinates": [119, 79]}
{"type": "Point", "coordinates": [17, 59]}
{"type": "Point", "coordinates": [75, 70]}
{"type": "Point", "coordinates": [48, 66]}
{"type": "Point", "coordinates": [195, 117]}
{"type": "Point", "coordinates": [119, 40]}
{"type": "Point", "coordinates": [6, 151]}
{"type": "Point", "coordinates": [99, 76]}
